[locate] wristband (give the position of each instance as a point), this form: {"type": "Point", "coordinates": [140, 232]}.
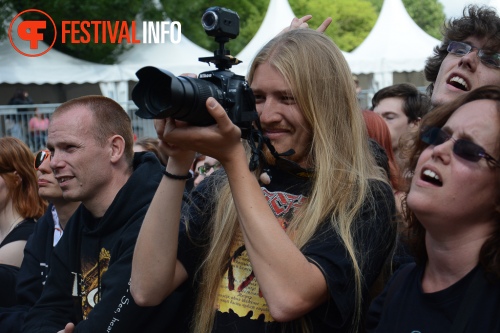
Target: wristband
{"type": "Point", "coordinates": [176, 177]}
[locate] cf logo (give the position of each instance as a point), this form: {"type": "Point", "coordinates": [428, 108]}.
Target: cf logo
{"type": "Point", "coordinates": [24, 32]}
{"type": "Point", "coordinates": [28, 30]}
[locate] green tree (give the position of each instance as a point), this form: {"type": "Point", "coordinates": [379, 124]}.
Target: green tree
{"type": "Point", "coordinates": [377, 4]}
{"type": "Point", "coordinates": [352, 19]}
{"type": "Point", "coordinates": [109, 10]}
{"type": "Point", "coordinates": [6, 15]}
{"type": "Point", "coordinates": [428, 14]}
{"type": "Point", "coordinates": [189, 13]}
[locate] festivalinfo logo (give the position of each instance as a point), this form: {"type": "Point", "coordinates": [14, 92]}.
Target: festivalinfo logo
{"type": "Point", "coordinates": [27, 36]}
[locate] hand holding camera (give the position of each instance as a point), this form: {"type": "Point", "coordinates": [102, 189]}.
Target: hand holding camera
{"type": "Point", "coordinates": [222, 141]}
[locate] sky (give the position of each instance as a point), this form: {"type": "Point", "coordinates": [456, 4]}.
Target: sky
{"type": "Point", "coordinates": [453, 8]}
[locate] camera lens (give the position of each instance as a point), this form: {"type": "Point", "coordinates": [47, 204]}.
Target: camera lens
{"type": "Point", "coordinates": [209, 20]}
{"type": "Point", "coordinates": [160, 94]}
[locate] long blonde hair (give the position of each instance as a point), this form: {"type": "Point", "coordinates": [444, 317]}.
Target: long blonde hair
{"type": "Point", "coordinates": [322, 84]}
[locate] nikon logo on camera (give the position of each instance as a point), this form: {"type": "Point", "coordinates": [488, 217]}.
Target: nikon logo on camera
{"type": "Point", "coordinates": [25, 35]}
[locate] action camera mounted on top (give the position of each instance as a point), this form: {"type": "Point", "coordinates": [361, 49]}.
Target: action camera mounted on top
{"type": "Point", "coordinates": [160, 94]}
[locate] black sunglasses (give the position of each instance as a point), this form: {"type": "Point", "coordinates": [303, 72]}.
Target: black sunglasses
{"type": "Point", "coordinates": [40, 157]}
{"type": "Point", "coordinates": [465, 149]}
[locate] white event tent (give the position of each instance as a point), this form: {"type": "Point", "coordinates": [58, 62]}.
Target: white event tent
{"type": "Point", "coordinates": [176, 58]}
{"type": "Point", "coordinates": [278, 16]}
{"type": "Point", "coordinates": [395, 44]}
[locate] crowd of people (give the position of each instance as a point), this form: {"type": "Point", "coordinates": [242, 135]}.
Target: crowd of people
{"type": "Point", "coordinates": [381, 220]}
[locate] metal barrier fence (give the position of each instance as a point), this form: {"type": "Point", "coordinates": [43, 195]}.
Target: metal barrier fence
{"type": "Point", "coordinates": [14, 121]}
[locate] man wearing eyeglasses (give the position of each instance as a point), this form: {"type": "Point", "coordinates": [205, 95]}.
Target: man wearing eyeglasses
{"type": "Point", "coordinates": [87, 289]}
{"type": "Point", "coordinates": [468, 57]}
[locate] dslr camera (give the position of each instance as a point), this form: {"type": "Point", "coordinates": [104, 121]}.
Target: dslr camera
{"type": "Point", "coordinates": [160, 94]}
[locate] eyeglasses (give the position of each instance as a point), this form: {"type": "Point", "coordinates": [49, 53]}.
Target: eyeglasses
{"type": "Point", "coordinates": [40, 157]}
{"type": "Point", "coordinates": [465, 149]}
{"type": "Point", "coordinates": [460, 49]}
{"type": "Point", "coordinates": [202, 170]}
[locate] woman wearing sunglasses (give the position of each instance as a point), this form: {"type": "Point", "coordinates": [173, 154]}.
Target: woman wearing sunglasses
{"type": "Point", "coordinates": [20, 206]}
{"type": "Point", "coordinates": [38, 250]}
{"type": "Point", "coordinates": [453, 219]}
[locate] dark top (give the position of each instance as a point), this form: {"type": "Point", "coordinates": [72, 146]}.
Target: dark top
{"type": "Point", "coordinates": [90, 269]}
{"type": "Point", "coordinates": [32, 274]}
{"type": "Point", "coordinates": [8, 273]}
{"type": "Point", "coordinates": [406, 308]}
{"type": "Point", "coordinates": [36, 262]}
{"type": "Point", "coordinates": [22, 231]}
{"type": "Point", "coordinates": [21, 101]}
{"type": "Point", "coordinates": [240, 306]}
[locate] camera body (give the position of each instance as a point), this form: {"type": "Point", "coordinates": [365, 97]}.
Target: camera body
{"type": "Point", "coordinates": [160, 94]}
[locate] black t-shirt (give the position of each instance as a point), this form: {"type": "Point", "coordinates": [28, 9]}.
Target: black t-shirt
{"type": "Point", "coordinates": [20, 232]}
{"type": "Point", "coordinates": [409, 309]}
{"type": "Point", "coordinates": [241, 307]}
{"type": "Point", "coordinates": [8, 273]}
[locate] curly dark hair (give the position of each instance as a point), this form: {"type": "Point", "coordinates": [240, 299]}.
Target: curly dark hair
{"type": "Point", "coordinates": [489, 256]}
{"type": "Point", "coordinates": [477, 21]}
{"type": "Point", "coordinates": [416, 104]}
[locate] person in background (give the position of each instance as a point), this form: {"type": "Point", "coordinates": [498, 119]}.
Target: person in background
{"type": "Point", "coordinates": [468, 56]}
{"type": "Point", "coordinates": [453, 222]}
{"type": "Point", "coordinates": [378, 131]}
{"type": "Point", "coordinates": [358, 88]}
{"type": "Point", "coordinates": [18, 124]}
{"type": "Point", "coordinates": [198, 161]}
{"type": "Point", "coordinates": [297, 252]}
{"type": "Point", "coordinates": [20, 207]}
{"type": "Point", "coordinates": [38, 126]}
{"type": "Point", "coordinates": [21, 97]}
{"type": "Point", "coordinates": [87, 288]}
{"type": "Point", "coordinates": [401, 106]}
{"type": "Point", "coordinates": [150, 144]}
{"type": "Point", "coordinates": [13, 128]}
{"type": "Point", "coordinates": [36, 263]}
{"type": "Point", "coordinates": [205, 167]}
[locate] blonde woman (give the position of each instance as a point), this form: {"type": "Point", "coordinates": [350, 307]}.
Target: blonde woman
{"type": "Point", "coordinates": [296, 249]}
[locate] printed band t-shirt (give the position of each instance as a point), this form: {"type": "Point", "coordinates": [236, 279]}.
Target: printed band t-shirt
{"type": "Point", "coordinates": [240, 305]}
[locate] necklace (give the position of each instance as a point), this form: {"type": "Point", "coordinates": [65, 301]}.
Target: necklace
{"type": "Point", "coordinates": [16, 223]}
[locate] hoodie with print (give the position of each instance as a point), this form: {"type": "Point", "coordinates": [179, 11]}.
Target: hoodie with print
{"type": "Point", "coordinates": [89, 279]}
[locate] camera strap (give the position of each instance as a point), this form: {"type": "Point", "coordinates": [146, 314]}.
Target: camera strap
{"type": "Point", "coordinates": [257, 140]}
